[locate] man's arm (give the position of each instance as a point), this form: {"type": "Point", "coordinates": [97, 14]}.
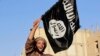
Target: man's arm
{"type": "Point", "coordinates": [29, 46]}
{"type": "Point", "coordinates": [35, 26]}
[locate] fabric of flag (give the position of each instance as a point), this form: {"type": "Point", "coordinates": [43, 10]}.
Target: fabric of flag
{"type": "Point", "coordinates": [61, 22]}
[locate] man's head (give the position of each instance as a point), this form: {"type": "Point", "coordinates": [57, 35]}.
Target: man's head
{"type": "Point", "coordinates": [40, 44]}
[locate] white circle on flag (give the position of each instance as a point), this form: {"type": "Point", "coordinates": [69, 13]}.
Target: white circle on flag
{"type": "Point", "coordinates": [57, 28]}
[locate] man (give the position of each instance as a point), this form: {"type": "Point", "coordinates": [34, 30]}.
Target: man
{"type": "Point", "coordinates": [35, 46]}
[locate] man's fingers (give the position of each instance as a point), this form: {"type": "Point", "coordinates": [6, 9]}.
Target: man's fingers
{"type": "Point", "coordinates": [37, 21]}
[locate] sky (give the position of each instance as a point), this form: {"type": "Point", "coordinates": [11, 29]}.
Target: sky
{"type": "Point", "coordinates": [17, 17]}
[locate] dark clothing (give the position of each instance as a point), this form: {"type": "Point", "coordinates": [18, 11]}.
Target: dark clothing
{"type": "Point", "coordinates": [29, 49]}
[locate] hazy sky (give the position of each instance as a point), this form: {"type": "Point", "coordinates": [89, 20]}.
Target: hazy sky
{"type": "Point", "coordinates": [17, 16]}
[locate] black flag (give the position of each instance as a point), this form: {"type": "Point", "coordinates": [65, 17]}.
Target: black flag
{"type": "Point", "coordinates": [61, 22]}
